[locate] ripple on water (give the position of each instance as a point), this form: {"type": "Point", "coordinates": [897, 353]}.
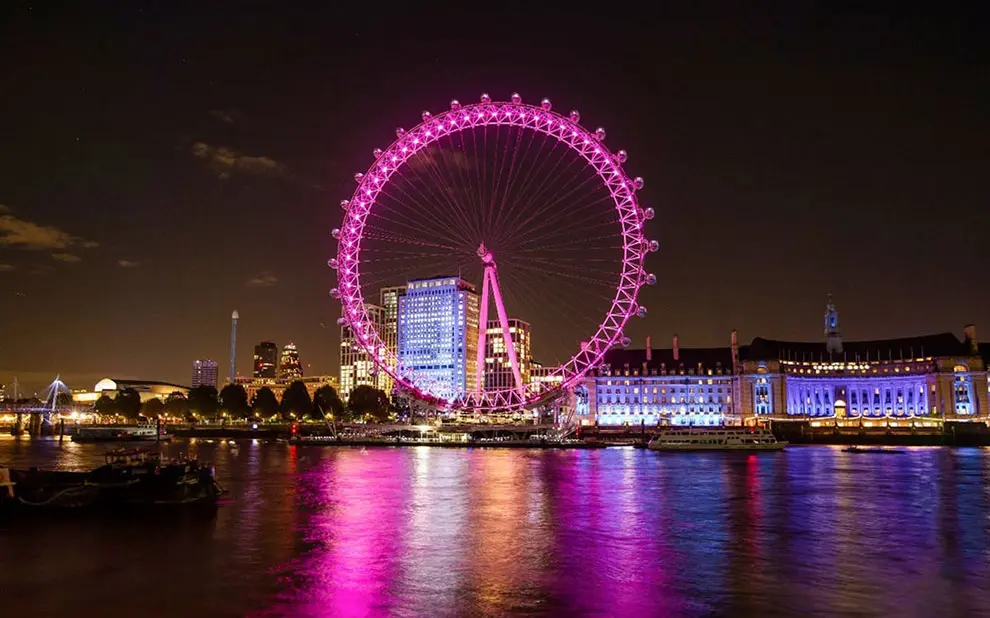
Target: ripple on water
{"type": "Point", "coordinates": [315, 531]}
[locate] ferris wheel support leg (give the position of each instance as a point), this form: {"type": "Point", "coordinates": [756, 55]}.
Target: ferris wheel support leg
{"type": "Point", "coordinates": [479, 371]}
{"type": "Point", "coordinates": [504, 323]}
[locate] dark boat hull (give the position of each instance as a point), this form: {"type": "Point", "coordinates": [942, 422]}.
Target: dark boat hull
{"type": "Point", "coordinates": [111, 488]}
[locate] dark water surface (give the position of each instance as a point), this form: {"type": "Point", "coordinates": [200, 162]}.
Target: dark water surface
{"type": "Point", "coordinates": [315, 531]}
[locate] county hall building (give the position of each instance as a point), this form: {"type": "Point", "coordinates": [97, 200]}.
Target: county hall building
{"type": "Point", "coordinates": [909, 382]}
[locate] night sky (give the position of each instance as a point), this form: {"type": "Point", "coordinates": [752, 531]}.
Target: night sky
{"type": "Point", "coordinates": [165, 165]}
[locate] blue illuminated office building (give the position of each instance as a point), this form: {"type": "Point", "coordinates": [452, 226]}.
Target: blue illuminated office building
{"type": "Point", "coordinates": [438, 335]}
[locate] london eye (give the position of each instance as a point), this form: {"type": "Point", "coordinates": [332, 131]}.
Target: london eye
{"type": "Point", "coordinates": [518, 208]}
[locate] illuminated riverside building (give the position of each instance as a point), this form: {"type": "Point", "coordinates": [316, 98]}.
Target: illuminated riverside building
{"type": "Point", "coordinates": [542, 378]}
{"type": "Point", "coordinates": [389, 302]}
{"type": "Point", "coordinates": [204, 373]}
{"type": "Point", "coordinates": [146, 389]}
{"type": "Point", "coordinates": [498, 369]}
{"type": "Point", "coordinates": [356, 366]}
{"type": "Point", "coordinates": [915, 381]}
{"type": "Point", "coordinates": [289, 367]}
{"type": "Point", "coordinates": [277, 387]}
{"type": "Point", "coordinates": [672, 386]}
{"type": "Point", "coordinates": [438, 334]}
{"type": "Point", "coordinates": [895, 382]}
{"type": "Point", "coordinates": [265, 360]}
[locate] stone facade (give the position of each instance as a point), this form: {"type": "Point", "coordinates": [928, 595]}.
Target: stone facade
{"type": "Point", "coordinates": [911, 381]}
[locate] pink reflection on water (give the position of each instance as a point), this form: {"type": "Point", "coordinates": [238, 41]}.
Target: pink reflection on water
{"type": "Point", "coordinates": [355, 531]}
{"type": "Point", "coordinates": [431, 571]}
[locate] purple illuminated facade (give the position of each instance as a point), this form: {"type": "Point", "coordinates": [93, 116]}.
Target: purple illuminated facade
{"type": "Point", "coordinates": [895, 382]}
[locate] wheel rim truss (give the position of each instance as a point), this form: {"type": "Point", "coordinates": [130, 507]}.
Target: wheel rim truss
{"type": "Point", "coordinates": [589, 146]}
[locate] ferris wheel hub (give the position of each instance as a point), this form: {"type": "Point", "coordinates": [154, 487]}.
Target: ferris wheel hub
{"type": "Point", "coordinates": [486, 256]}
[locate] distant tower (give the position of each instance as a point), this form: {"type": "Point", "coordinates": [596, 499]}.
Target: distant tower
{"type": "Point", "coordinates": [266, 360]}
{"type": "Point", "coordinates": [833, 338]}
{"type": "Point", "coordinates": [289, 367]}
{"type": "Point", "coordinates": [233, 346]}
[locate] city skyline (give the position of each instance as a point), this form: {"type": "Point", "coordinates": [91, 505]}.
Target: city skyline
{"type": "Point", "coordinates": [758, 139]}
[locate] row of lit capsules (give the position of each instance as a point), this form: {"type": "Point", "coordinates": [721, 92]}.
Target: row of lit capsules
{"type": "Point", "coordinates": [621, 156]}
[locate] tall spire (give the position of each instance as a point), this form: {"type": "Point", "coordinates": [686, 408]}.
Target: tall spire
{"type": "Point", "coordinates": [233, 346]}
{"type": "Point", "coordinates": [833, 337]}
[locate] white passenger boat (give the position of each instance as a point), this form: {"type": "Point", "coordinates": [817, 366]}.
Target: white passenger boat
{"type": "Point", "coordinates": [120, 433]}
{"type": "Point", "coordinates": [711, 439]}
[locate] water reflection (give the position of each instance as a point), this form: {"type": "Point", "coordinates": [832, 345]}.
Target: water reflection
{"type": "Point", "coordinates": [409, 532]}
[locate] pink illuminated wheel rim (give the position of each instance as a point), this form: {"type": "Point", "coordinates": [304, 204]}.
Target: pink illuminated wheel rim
{"type": "Point", "coordinates": [566, 130]}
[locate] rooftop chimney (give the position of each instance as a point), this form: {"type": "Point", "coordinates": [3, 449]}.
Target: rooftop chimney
{"type": "Point", "coordinates": [649, 349]}
{"type": "Point", "coordinates": [970, 335]}
{"type": "Point", "coordinates": [734, 344]}
{"type": "Point", "coordinates": [677, 351]}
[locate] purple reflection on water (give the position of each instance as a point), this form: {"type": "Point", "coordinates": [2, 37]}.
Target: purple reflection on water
{"type": "Point", "coordinates": [418, 531]}
{"type": "Point", "coordinates": [353, 534]}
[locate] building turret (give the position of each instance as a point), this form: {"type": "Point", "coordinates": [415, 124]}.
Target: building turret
{"type": "Point", "coordinates": [833, 338]}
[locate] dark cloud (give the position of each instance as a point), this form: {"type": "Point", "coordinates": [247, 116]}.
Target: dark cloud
{"type": "Point", "coordinates": [66, 257]}
{"type": "Point", "coordinates": [22, 234]}
{"type": "Point", "coordinates": [128, 263]}
{"type": "Point", "coordinates": [264, 280]}
{"type": "Point", "coordinates": [227, 116]}
{"type": "Point", "coordinates": [225, 162]}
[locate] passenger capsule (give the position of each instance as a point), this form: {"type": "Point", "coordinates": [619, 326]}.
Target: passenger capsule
{"type": "Point", "coordinates": [575, 116]}
{"type": "Point", "coordinates": [546, 105]}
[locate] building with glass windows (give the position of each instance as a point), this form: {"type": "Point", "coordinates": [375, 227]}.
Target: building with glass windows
{"type": "Point", "coordinates": [265, 360]}
{"type": "Point", "coordinates": [908, 382]}
{"type": "Point", "coordinates": [204, 373]}
{"type": "Point", "coordinates": [357, 367]}
{"type": "Point", "coordinates": [437, 335]}
{"type": "Point", "coordinates": [277, 387]}
{"type": "Point", "coordinates": [671, 386]}
{"type": "Point", "coordinates": [389, 299]}
{"type": "Point", "coordinates": [498, 374]}
{"type": "Point", "coordinates": [289, 367]}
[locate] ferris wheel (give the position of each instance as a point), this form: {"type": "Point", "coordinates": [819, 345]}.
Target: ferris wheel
{"type": "Point", "coordinates": [521, 200]}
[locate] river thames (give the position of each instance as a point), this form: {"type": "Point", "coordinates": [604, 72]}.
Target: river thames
{"type": "Point", "coordinates": [317, 531]}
